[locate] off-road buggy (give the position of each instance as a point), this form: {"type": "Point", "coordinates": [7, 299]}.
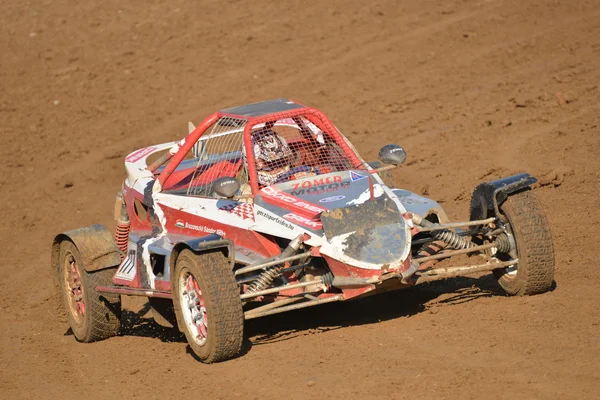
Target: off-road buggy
{"type": "Point", "coordinates": [211, 245]}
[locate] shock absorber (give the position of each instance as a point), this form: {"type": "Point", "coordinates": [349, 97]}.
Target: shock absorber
{"type": "Point", "coordinates": [123, 225]}
{"type": "Point", "coordinates": [265, 279]}
{"type": "Point", "coordinates": [451, 238]}
{"type": "Point", "coordinates": [268, 276]}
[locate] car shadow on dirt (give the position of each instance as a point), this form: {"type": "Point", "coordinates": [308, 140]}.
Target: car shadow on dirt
{"type": "Point", "coordinates": [370, 310]}
{"type": "Point", "coordinates": [140, 323]}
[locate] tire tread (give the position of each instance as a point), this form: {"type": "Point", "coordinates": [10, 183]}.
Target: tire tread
{"type": "Point", "coordinates": [102, 317]}
{"type": "Point", "coordinates": [105, 307]}
{"type": "Point", "coordinates": [528, 221]}
{"type": "Point", "coordinates": [221, 292]}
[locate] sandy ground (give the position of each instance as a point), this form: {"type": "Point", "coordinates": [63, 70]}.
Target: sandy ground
{"type": "Point", "coordinates": [474, 90]}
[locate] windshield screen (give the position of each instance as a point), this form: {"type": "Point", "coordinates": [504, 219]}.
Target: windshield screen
{"type": "Point", "coordinates": [287, 150]}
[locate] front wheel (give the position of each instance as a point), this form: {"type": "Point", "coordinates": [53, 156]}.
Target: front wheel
{"type": "Point", "coordinates": [528, 225]}
{"type": "Point", "coordinates": [91, 315]}
{"type": "Point", "coordinates": [207, 305]}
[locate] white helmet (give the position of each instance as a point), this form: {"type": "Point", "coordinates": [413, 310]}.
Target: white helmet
{"type": "Point", "coordinates": [273, 153]}
{"type": "Point", "coordinates": [269, 146]}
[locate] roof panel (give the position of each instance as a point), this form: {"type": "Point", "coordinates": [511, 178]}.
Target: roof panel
{"type": "Point", "coordinates": [263, 108]}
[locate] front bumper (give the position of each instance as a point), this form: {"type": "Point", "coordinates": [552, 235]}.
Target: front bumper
{"type": "Point", "coordinates": [372, 236]}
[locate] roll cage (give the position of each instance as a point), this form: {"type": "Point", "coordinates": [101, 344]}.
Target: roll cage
{"type": "Point", "coordinates": [250, 117]}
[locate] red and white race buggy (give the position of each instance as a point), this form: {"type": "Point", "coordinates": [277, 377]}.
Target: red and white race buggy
{"type": "Point", "coordinates": [267, 208]}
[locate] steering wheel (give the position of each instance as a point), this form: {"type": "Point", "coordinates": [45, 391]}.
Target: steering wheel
{"type": "Point", "coordinates": [302, 168]}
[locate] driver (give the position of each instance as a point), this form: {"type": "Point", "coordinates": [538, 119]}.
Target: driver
{"type": "Point", "coordinates": [274, 159]}
{"type": "Point", "coordinates": [272, 155]}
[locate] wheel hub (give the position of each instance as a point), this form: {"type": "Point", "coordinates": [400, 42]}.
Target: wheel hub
{"type": "Point", "coordinates": [194, 309]}
{"type": "Point", "coordinates": [73, 278]}
{"type": "Point", "coordinates": [510, 247]}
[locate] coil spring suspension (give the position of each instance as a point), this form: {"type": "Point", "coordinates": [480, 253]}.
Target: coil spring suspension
{"type": "Point", "coordinates": [452, 239]}
{"type": "Point", "coordinates": [265, 279]}
{"type": "Point", "coordinates": [122, 237]}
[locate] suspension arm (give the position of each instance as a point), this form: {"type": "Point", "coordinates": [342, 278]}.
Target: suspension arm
{"type": "Point", "coordinates": [437, 227]}
{"type": "Point", "coordinates": [437, 274]}
{"type": "Point", "coordinates": [251, 314]}
{"type": "Point", "coordinates": [456, 252]}
{"type": "Point", "coordinates": [280, 288]}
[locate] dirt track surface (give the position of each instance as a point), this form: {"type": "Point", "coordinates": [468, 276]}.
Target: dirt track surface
{"type": "Point", "coordinates": [473, 91]}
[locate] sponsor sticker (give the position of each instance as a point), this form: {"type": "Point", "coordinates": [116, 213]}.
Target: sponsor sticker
{"type": "Point", "coordinates": [304, 221]}
{"type": "Point", "coordinates": [139, 154]}
{"type": "Point", "coordinates": [199, 228]}
{"type": "Point", "coordinates": [332, 199]}
{"type": "Point", "coordinates": [305, 184]}
{"type": "Point", "coordinates": [321, 189]}
{"type": "Point", "coordinates": [287, 200]}
{"type": "Point", "coordinates": [242, 210]}
{"type": "Point", "coordinates": [275, 219]}
{"type": "Point", "coordinates": [126, 270]}
{"type": "Point", "coordinates": [355, 177]}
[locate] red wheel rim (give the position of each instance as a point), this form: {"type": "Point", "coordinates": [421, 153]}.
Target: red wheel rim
{"type": "Point", "coordinates": [74, 287]}
{"type": "Point", "coordinates": [193, 308]}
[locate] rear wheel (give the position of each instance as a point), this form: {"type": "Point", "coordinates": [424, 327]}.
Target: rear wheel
{"type": "Point", "coordinates": [91, 315]}
{"type": "Point", "coordinates": [207, 305]}
{"type": "Point", "coordinates": [527, 224]}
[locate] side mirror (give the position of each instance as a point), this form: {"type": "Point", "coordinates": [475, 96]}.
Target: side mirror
{"type": "Point", "coordinates": [392, 154]}
{"type": "Point", "coordinates": [226, 187]}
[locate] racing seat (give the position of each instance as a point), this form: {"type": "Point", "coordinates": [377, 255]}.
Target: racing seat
{"type": "Point", "coordinates": [199, 182]}
{"type": "Point", "coordinates": [215, 171]}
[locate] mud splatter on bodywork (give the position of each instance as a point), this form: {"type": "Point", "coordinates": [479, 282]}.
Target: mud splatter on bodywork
{"type": "Point", "coordinates": [158, 222]}
{"type": "Point", "coordinates": [373, 232]}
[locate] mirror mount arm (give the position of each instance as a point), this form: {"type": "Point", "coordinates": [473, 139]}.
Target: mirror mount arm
{"type": "Point", "coordinates": [159, 162]}
{"type": "Point", "coordinates": [378, 170]}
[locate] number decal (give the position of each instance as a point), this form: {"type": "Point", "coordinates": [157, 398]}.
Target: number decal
{"type": "Point", "coordinates": [127, 269]}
